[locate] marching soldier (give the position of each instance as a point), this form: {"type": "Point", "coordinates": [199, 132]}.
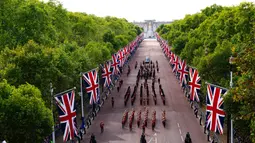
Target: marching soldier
{"type": "Point", "coordinates": [144, 101]}
{"type": "Point", "coordinates": [112, 102]}
{"type": "Point", "coordinates": [102, 126]}
{"type": "Point", "coordinates": [164, 118]}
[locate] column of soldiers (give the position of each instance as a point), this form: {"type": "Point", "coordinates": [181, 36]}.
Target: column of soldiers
{"type": "Point", "coordinates": [162, 94]}
{"type": "Point", "coordinates": [153, 120]}
{"type": "Point", "coordinates": [139, 118]}
{"type": "Point", "coordinates": [126, 97]}
{"type": "Point", "coordinates": [133, 96]}
{"type": "Point", "coordinates": [164, 118]}
{"type": "Point", "coordinates": [146, 71]}
{"type": "Point", "coordinates": [145, 122]}
{"type": "Point", "coordinates": [124, 118]}
{"type": "Point", "coordinates": [154, 92]}
{"type": "Point", "coordinates": [141, 94]}
{"type": "Point", "coordinates": [131, 119]}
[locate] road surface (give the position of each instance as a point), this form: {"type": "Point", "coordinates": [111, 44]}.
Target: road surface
{"type": "Point", "coordinates": [179, 115]}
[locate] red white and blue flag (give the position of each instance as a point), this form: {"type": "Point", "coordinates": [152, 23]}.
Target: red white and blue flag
{"type": "Point", "coordinates": [214, 110]}
{"type": "Point", "coordinates": [115, 64]}
{"type": "Point", "coordinates": [171, 60]}
{"type": "Point", "coordinates": [194, 84]}
{"type": "Point", "coordinates": [107, 74]}
{"type": "Point", "coordinates": [176, 64]}
{"type": "Point", "coordinates": [92, 85]}
{"type": "Point", "coordinates": [183, 72]}
{"type": "Point", "coordinates": [67, 115]}
{"type": "Point", "coordinates": [121, 58]}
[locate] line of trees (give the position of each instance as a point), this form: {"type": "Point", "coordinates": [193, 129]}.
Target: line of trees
{"type": "Point", "coordinates": [43, 43]}
{"type": "Point", "coordinates": [206, 40]}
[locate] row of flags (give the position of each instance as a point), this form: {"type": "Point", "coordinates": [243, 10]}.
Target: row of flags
{"type": "Point", "coordinates": [189, 77]}
{"type": "Point", "coordinates": [90, 82]}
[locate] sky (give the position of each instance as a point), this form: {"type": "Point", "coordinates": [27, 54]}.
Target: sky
{"type": "Point", "coordinates": [140, 10]}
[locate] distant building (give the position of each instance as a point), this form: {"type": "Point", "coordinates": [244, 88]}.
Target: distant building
{"type": "Point", "coordinates": [150, 26]}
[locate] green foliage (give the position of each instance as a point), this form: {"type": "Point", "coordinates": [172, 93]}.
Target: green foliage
{"type": "Point", "coordinates": [43, 43]}
{"type": "Point", "coordinates": [24, 116]}
{"type": "Point", "coordinates": [222, 32]}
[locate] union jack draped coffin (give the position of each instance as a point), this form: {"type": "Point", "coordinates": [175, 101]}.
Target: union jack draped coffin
{"type": "Point", "coordinates": [214, 110]}
{"type": "Point", "coordinates": [107, 73]}
{"type": "Point", "coordinates": [91, 81]}
{"type": "Point", "coordinates": [194, 84]}
{"type": "Point", "coordinates": [67, 114]}
{"type": "Point", "coordinates": [115, 63]}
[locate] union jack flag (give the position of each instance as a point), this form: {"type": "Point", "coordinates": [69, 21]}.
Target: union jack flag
{"type": "Point", "coordinates": [176, 64]}
{"type": "Point", "coordinates": [183, 72]}
{"type": "Point", "coordinates": [172, 57]}
{"type": "Point", "coordinates": [195, 84]}
{"type": "Point", "coordinates": [92, 85]}
{"type": "Point", "coordinates": [106, 74]}
{"type": "Point", "coordinates": [67, 115]}
{"type": "Point", "coordinates": [115, 64]}
{"type": "Point", "coordinates": [121, 58]}
{"type": "Point", "coordinates": [214, 110]}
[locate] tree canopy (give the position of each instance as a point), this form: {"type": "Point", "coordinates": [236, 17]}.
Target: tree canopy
{"type": "Point", "coordinates": [206, 40]}
{"type": "Point", "coordinates": [43, 43]}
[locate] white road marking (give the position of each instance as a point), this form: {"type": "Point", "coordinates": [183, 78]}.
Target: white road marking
{"type": "Point", "coordinates": [178, 125]}
{"type": "Point", "coordinates": [150, 140]}
{"type": "Point", "coordinates": [182, 139]}
{"type": "Point", "coordinates": [180, 131]}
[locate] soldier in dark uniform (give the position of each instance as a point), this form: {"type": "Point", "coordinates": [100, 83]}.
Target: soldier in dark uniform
{"type": "Point", "coordinates": [93, 139]}
{"type": "Point", "coordinates": [143, 140]}
{"type": "Point", "coordinates": [112, 102]}
{"type": "Point", "coordinates": [187, 138]}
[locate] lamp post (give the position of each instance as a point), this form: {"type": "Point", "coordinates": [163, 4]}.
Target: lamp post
{"type": "Point", "coordinates": [53, 132]}
{"type": "Point", "coordinates": [231, 61]}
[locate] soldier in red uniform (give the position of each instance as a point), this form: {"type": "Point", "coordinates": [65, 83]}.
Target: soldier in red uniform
{"type": "Point", "coordinates": [164, 118]}
{"type": "Point", "coordinates": [102, 126]}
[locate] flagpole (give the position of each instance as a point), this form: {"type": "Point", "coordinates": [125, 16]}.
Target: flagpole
{"type": "Point", "coordinates": [88, 71]}
{"type": "Point", "coordinates": [191, 67]}
{"type": "Point", "coordinates": [216, 86]}
{"type": "Point", "coordinates": [51, 93]}
{"type": "Point", "coordinates": [65, 91]}
{"type": "Point", "coordinates": [82, 108]}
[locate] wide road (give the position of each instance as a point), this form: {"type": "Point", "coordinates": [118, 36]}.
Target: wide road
{"type": "Point", "coordinates": [179, 115]}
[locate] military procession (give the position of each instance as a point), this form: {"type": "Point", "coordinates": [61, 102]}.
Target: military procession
{"type": "Point", "coordinates": [141, 115]}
